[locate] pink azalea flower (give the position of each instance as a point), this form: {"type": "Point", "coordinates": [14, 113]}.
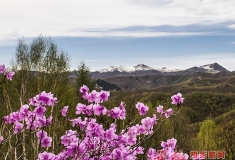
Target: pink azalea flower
{"type": "Point", "coordinates": [110, 134]}
{"type": "Point", "coordinates": [2, 69]}
{"type": "Point", "coordinates": [43, 99]}
{"type": "Point", "coordinates": [30, 122]}
{"type": "Point", "coordinates": [117, 153]}
{"type": "Point", "coordinates": [69, 137]}
{"type": "Point", "coordinates": [147, 125]}
{"type": "Point", "coordinates": [84, 89]}
{"type": "Point", "coordinates": [151, 153]}
{"type": "Point", "coordinates": [142, 108]}
{"type": "Point", "coordinates": [10, 75]}
{"type": "Point", "coordinates": [170, 143]}
{"type": "Point", "coordinates": [46, 156]}
{"type": "Point", "coordinates": [89, 109]}
{"type": "Point", "coordinates": [24, 110]}
{"type": "Point", "coordinates": [33, 101]}
{"type": "Point", "coordinates": [140, 150]}
{"type": "Point", "coordinates": [64, 111]}
{"type": "Point", "coordinates": [40, 121]}
{"type": "Point", "coordinates": [93, 97]}
{"type": "Point", "coordinates": [18, 127]}
{"type": "Point", "coordinates": [160, 109]}
{"type": "Point", "coordinates": [15, 116]}
{"type": "Point", "coordinates": [7, 119]}
{"type": "Point", "coordinates": [76, 121]}
{"type": "Point", "coordinates": [60, 156]}
{"type": "Point", "coordinates": [168, 113]}
{"type": "Point", "coordinates": [122, 114]}
{"type": "Point", "coordinates": [98, 110]}
{"type": "Point", "coordinates": [177, 99]}
{"type": "Point", "coordinates": [104, 95]}
{"type": "Point", "coordinates": [39, 111]}
{"type": "Point", "coordinates": [132, 136]}
{"type": "Point", "coordinates": [46, 99]}
{"type": "Point", "coordinates": [80, 108]}
{"type": "Point", "coordinates": [115, 113]}
{"type": "Point", "coordinates": [94, 129]}
{"type": "Point", "coordinates": [46, 142]}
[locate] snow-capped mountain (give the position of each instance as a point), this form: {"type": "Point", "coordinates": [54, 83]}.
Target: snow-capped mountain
{"type": "Point", "coordinates": [139, 67]}
{"type": "Point", "coordinates": [213, 68]}
{"type": "Point", "coordinates": [142, 69]}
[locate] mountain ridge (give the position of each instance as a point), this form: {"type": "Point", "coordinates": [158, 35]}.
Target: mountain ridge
{"type": "Point", "coordinates": [198, 79]}
{"type": "Point", "coordinates": [142, 69]}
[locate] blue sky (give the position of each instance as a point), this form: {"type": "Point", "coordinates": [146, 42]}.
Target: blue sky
{"type": "Point", "coordinates": [159, 33]}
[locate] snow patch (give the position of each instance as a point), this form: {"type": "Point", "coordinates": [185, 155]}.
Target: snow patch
{"type": "Point", "coordinates": [209, 68]}
{"type": "Point", "coordinates": [164, 70]}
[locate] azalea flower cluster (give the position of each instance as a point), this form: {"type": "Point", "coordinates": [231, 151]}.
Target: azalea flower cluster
{"type": "Point", "coordinates": [107, 144]}
{"type": "Point", "coordinates": [9, 76]}
{"type": "Point", "coordinates": [90, 139]}
{"type": "Point", "coordinates": [34, 119]}
{"type": "Point", "coordinates": [6, 74]}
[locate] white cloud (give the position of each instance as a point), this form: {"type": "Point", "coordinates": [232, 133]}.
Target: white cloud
{"type": "Point", "coordinates": [137, 34]}
{"type": "Point", "coordinates": [232, 26]}
{"type": "Point", "coordinates": [58, 17]}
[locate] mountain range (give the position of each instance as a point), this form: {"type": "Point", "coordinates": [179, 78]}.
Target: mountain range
{"type": "Point", "coordinates": [143, 76]}
{"type": "Point", "coordinates": [142, 69]}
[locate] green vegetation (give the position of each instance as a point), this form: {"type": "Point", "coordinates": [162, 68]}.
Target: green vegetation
{"type": "Point", "coordinates": [83, 77]}
{"type": "Point", "coordinates": [40, 66]}
{"type": "Point", "coordinates": [206, 137]}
